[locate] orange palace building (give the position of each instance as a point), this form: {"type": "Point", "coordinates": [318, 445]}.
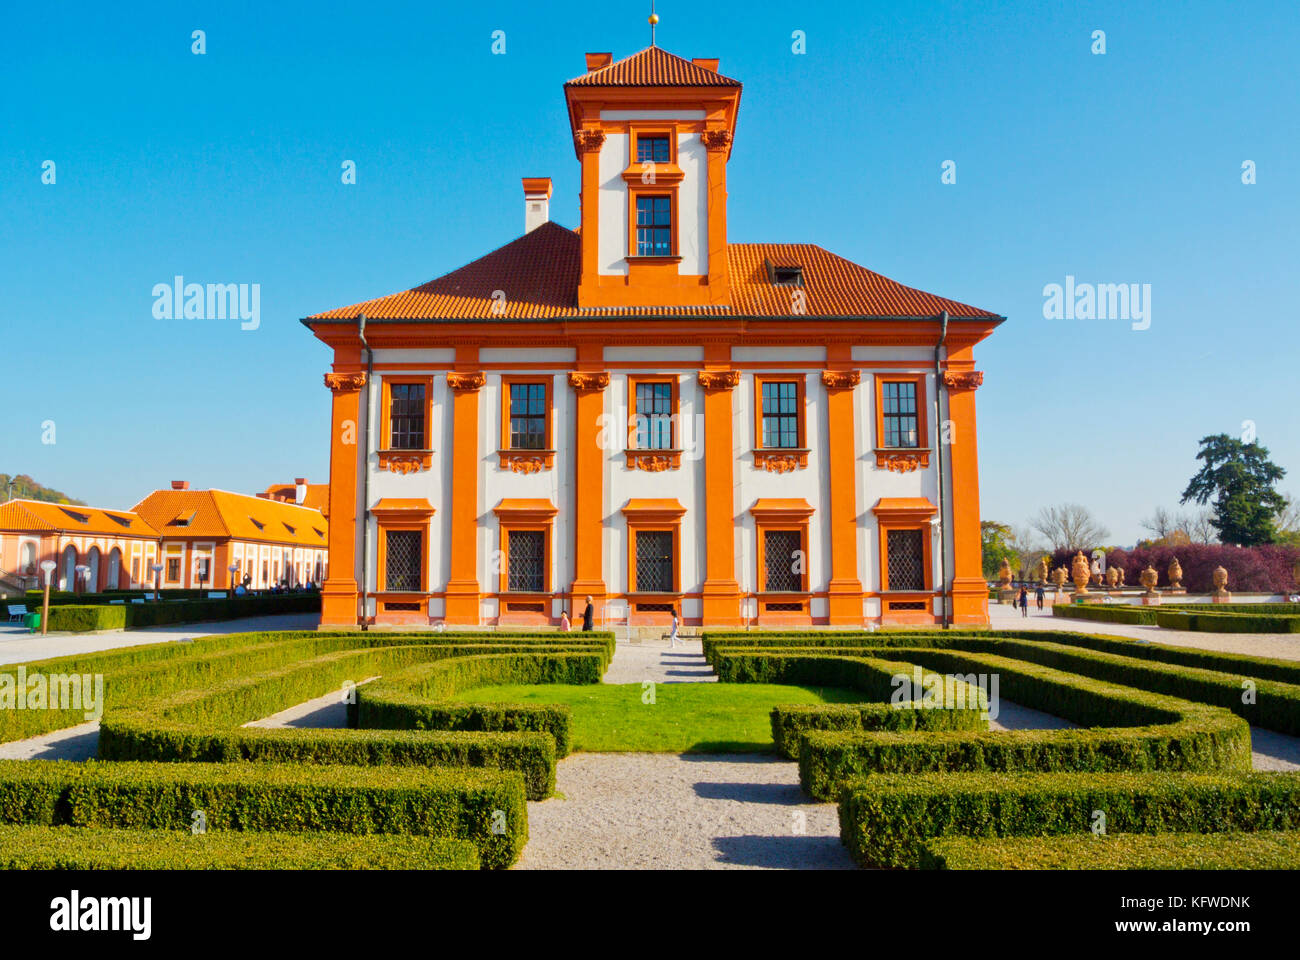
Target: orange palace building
{"type": "Point", "coordinates": [643, 411]}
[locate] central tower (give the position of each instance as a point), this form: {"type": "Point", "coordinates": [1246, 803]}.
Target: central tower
{"type": "Point", "coordinates": [653, 133]}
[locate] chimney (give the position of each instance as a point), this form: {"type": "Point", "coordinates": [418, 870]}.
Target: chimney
{"type": "Point", "coordinates": [537, 202]}
{"type": "Point", "coordinates": [299, 490]}
{"type": "Point", "coordinates": [597, 60]}
{"type": "Point", "coordinates": [708, 63]}
{"type": "Point", "coordinates": [180, 484]}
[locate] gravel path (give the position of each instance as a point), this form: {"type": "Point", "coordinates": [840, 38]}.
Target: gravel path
{"type": "Point", "coordinates": [658, 811]}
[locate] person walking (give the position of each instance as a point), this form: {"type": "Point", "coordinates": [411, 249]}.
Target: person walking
{"type": "Point", "coordinates": [565, 625]}
{"type": "Point", "coordinates": [672, 636]}
{"type": "Point", "coordinates": [1038, 595]}
{"type": "Point", "coordinates": [1024, 601]}
{"type": "Point", "coordinates": [588, 615]}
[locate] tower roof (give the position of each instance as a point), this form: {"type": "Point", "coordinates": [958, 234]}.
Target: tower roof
{"type": "Point", "coordinates": [653, 67]}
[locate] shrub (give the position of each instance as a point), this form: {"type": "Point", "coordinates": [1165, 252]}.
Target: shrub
{"type": "Point", "coordinates": [1266, 569]}
{"type": "Point", "coordinates": [96, 848]}
{"type": "Point", "coordinates": [1106, 613]}
{"type": "Point", "coordinates": [1228, 622]}
{"type": "Point", "coordinates": [885, 820]}
{"type": "Point", "coordinates": [448, 804]}
{"type": "Point", "coordinates": [78, 619]}
{"type": "Point", "coordinates": [1267, 850]}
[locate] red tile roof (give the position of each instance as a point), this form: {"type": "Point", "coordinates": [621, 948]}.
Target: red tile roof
{"type": "Point", "coordinates": [653, 67]}
{"type": "Point", "coordinates": [538, 276]}
{"type": "Point", "coordinates": [186, 514]}
{"type": "Point", "coordinates": [25, 516]}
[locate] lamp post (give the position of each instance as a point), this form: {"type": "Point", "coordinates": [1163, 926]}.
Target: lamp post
{"type": "Point", "coordinates": [48, 566]}
{"type": "Point", "coordinates": [82, 572]}
{"type": "Point", "coordinates": [157, 580]}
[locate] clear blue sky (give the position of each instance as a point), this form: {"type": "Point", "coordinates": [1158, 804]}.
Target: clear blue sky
{"type": "Point", "coordinates": [225, 168]}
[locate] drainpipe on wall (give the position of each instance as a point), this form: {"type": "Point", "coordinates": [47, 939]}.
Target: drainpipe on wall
{"type": "Point", "coordinates": [938, 450]}
{"type": "Point", "coordinates": [365, 475]}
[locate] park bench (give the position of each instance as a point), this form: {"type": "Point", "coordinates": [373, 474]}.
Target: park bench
{"type": "Point", "coordinates": [17, 611]}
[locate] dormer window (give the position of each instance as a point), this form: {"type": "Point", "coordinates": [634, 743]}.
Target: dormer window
{"type": "Point", "coordinates": [653, 149]}
{"type": "Point", "coordinates": [654, 226]}
{"type": "Point", "coordinates": [788, 276]}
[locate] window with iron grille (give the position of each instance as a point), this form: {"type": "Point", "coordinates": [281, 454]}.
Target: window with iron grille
{"type": "Point", "coordinates": [906, 559]}
{"type": "Point", "coordinates": [527, 416]}
{"type": "Point", "coordinates": [652, 149]}
{"type": "Point", "coordinates": [783, 561]}
{"type": "Point", "coordinates": [654, 561]}
{"type": "Point", "coordinates": [900, 414]}
{"type": "Point", "coordinates": [402, 564]}
{"type": "Point", "coordinates": [654, 412]}
{"type": "Point", "coordinates": [780, 414]}
{"type": "Point", "coordinates": [654, 227]}
{"type": "Point", "coordinates": [526, 561]}
{"type": "Point", "coordinates": [406, 416]}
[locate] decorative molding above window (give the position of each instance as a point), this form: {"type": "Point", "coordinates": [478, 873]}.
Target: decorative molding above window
{"type": "Point", "coordinates": [719, 379]}
{"type": "Point", "coordinates": [345, 382]}
{"type": "Point", "coordinates": [466, 382]}
{"type": "Point", "coordinates": [586, 381]}
{"type": "Point", "coordinates": [654, 461]}
{"type": "Point", "coordinates": [902, 461]}
{"type": "Point", "coordinates": [526, 461]}
{"type": "Point", "coordinates": [969, 380]}
{"type": "Point", "coordinates": [780, 459]}
{"type": "Point", "coordinates": [405, 461]}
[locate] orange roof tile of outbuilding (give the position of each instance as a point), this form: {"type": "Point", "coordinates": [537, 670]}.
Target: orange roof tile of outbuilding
{"type": "Point", "coordinates": [220, 514]}
{"type": "Point", "coordinates": [538, 273]}
{"type": "Point", "coordinates": [653, 67]}
{"type": "Point", "coordinates": [40, 515]}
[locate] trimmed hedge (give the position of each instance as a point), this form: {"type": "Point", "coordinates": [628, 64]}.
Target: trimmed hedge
{"type": "Point", "coordinates": [79, 618]}
{"type": "Point", "coordinates": [1106, 613]}
{"type": "Point", "coordinates": [1227, 622]}
{"type": "Point", "coordinates": [1209, 618]}
{"type": "Point", "coordinates": [133, 675]}
{"type": "Point", "coordinates": [1266, 850]}
{"type": "Point", "coordinates": [886, 820]}
{"type": "Point", "coordinates": [409, 700]}
{"type": "Point", "coordinates": [204, 724]}
{"type": "Point", "coordinates": [96, 848]}
{"type": "Point", "coordinates": [484, 807]}
{"type": "Point", "coordinates": [1132, 730]}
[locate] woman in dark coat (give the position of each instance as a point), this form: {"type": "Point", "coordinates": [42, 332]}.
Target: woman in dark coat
{"type": "Point", "coordinates": [588, 615]}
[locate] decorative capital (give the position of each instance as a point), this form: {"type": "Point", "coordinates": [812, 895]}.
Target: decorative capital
{"type": "Point", "coordinates": [841, 379]}
{"type": "Point", "coordinates": [588, 381]}
{"type": "Point", "coordinates": [466, 382]}
{"type": "Point", "coordinates": [345, 382]}
{"type": "Point", "coordinates": [716, 139]}
{"type": "Point", "coordinates": [963, 381]}
{"type": "Point", "coordinates": [588, 141]}
{"type": "Point", "coordinates": [719, 379]}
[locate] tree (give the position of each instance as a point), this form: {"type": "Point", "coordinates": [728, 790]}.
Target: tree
{"type": "Point", "coordinates": [1201, 527]}
{"type": "Point", "coordinates": [1239, 478]}
{"type": "Point", "coordinates": [1069, 526]}
{"type": "Point", "coordinates": [1288, 522]}
{"type": "Point", "coordinates": [996, 539]}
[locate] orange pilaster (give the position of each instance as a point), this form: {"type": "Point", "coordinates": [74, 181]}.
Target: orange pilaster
{"type": "Point", "coordinates": [970, 603]}
{"type": "Point", "coordinates": [461, 598]}
{"type": "Point", "coordinates": [588, 143]}
{"type": "Point", "coordinates": [718, 142]}
{"type": "Point", "coordinates": [339, 591]}
{"type": "Point", "coordinates": [721, 592]}
{"type": "Point", "coordinates": [588, 490]}
{"type": "Point", "coordinates": [844, 591]}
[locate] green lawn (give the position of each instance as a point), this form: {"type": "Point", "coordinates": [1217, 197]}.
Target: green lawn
{"type": "Point", "coordinates": [684, 718]}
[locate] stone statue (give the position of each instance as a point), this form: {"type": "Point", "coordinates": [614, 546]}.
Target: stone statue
{"type": "Point", "coordinates": [1096, 571]}
{"type": "Point", "coordinates": [1148, 579]}
{"type": "Point", "coordinates": [1221, 593]}
{"type": "Point", "coordinates": [1004, 574]}
{"type": "Point", "coordinates": [1112, 578]}
{"type": "Point", "coordinates": [1080, 574]}
{"type": "Point", "coordinates": [1042, 570]}
{"type": "Point", "coordinates": [1120, 574]}
{"type": "Point", "coordinates": [1176, 577]}
{"type": "Point", "coordinates": [1059, 576]}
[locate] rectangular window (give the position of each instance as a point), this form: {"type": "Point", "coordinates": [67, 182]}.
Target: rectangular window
{"type": "Point", "coordinates": [202, 570]}
{"type": "Point", "coordinates": [652, 150]}
{"type": "Point", "coordinates": [406, 416]}
{"type": "Point", "coordinates": [784, 561]}
{"type": "Point", "coordinates": [899, 411]}
{"type": "Point", "coordinates": [402, 560]}
{"type": "Point", "coordinates": [654, 561]}
{"type": "Point", "coordinates": [906, 549]}
{"type": "Point", "coordinates": [780, 399]}
{"type": "Point", "coordinates": [528, 416]}
{"type": "Point", "coordinates": [173, 569]}
{"type": "Point", "coordinates": [654, 416]}
{"type": "Point", "coordinates": [654, 226]}
{"type": "Point", "coordinates": [526, 561]}
{"type": "Point", "coordinates": [135, 569]}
